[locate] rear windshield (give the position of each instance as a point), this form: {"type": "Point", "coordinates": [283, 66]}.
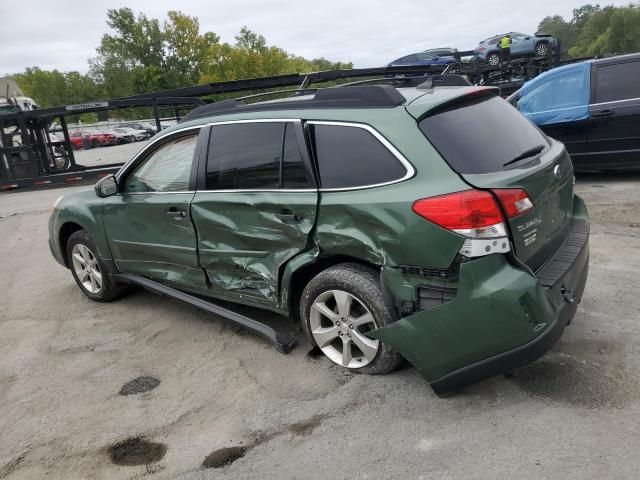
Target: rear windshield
{"type": "Point", "coordinates": [482, 135]}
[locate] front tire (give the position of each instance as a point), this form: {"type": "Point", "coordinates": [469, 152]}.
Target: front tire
{"type": "Point", "coordinates": [89, 270]}
{"type": "Point", "coordinates": [493, 59]}
{"type": "Point", "coordinates": [338, 307]}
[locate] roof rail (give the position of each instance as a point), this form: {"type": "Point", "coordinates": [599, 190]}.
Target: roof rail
{"type": "Point", "coordinates": [358, 96]}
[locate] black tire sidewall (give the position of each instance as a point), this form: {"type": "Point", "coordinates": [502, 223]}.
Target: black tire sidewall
{"type": "Point", "coordinates": [109, 289]}
{"type": "Point", "coordinates": [362, 283]}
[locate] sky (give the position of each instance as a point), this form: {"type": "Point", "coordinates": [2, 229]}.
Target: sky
{"type": "Point", "coordinates": [63, 34]}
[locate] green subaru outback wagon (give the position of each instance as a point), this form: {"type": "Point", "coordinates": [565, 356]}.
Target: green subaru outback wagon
{"type": "Point", "coordinates": [390, 222]}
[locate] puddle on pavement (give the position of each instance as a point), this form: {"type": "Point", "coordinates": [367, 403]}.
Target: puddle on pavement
{"type": "Point", "coordinates": [139, 385]}
{"type": "Point", "coordinates": [224, 456]}
{"type": "Point", "coordinates": [136, 451]}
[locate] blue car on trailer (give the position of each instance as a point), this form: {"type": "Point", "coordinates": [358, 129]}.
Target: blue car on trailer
{"type": "Point", "coordinates": [422, 58]}
{"type": "Point", "coordinates": [593, 107]}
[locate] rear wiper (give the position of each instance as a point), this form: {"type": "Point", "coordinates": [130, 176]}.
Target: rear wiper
{"type": "Point", "coordinates": [526, 154]}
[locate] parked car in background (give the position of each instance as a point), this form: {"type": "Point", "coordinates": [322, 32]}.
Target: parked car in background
{"type": "Point", "coordinates": [91, 139]}
{"type": "Point", "coordinates": [389, 221]}
{"type": "Point", "coordinates": [522, 45]}
{"type": "Point", "coordinates": [421, 58]}
{"type": "Point", "coordinates": [593, 107]}
{"type": "Point", "coordinates": [147, 127]}
{"type": "Point", "coordinates": [120, 137]}
{"type": "Point", "coordinates": [133, 134]}
{"type": "Point", "coordinates": [442, 52]}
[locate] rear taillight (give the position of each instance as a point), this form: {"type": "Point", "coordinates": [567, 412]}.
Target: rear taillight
{"type": "Point", "coordinates": [515, 201]}
{"type": "Point", "coordinates": [476, 215]}
{"type": "Point", "coordinates": [472, 213]}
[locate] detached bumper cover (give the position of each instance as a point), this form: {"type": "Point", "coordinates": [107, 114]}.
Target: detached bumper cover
{"type": "Point", "coordinates": [502, 317]}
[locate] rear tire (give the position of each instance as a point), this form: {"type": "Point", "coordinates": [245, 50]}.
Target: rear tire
{"type": "Point", "coordinates": [337, 308]}
{"type": "Point", "coordinates": [89, 271]}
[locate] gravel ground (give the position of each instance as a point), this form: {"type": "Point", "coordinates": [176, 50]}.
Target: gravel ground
{"type": "Point", "coordinates": [80, 397]}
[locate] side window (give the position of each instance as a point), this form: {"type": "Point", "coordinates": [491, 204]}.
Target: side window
{"type": "Point", "coordinates": [353, 157]}
{"type": "Point", "coordinates": [565, 90]}
{"type": "Point", "coordinates": [245, 156]}
{"type": "Point", "coordinates": [294, 170]}
{"type": "Point", "coordinates": [261, 155]}
{"type": "Point", "coordinates": [618, 82]}
{"type": "Point", "coordinates": [167, 169]}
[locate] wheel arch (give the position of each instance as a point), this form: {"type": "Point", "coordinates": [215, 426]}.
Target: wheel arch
{"type": "Point", "coordinates": [297, 278]}
{"type": "Point", "coordinates": [66, 230]}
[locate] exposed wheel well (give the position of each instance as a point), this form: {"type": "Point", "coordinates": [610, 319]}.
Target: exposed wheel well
{"type": "Point", "coordinates": [302, 276]}
{"type": "Point", "coordinates": [65, 232]}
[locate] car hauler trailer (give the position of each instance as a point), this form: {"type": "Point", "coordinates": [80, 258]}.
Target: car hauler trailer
{"type": "Point", "coordinates": [30, 157]}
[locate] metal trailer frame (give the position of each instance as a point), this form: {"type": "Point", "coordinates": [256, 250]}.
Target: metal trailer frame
{"type": "Point", "coordinates": [38, 153]}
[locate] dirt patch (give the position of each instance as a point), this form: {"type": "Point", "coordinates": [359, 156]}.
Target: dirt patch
{"type": "Point", "coordinates": [306, 426]}
{"type": "Point", "coordinates": [11, 466]}
{"type": "Point", "coordinates": [224, 456]}
{"type": "Point", "coordinates": [139, 385]}
{"type": "Point", "coordinates": [136, 451]}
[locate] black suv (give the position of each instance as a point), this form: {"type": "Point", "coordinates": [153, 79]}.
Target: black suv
{"type": "Point", "coordinates": [592, 107]}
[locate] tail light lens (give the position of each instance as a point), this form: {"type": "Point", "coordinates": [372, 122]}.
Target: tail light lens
{"type": "Point", "coordinates": [472, 213]}
{"type": "Point", "coordinates": [476, 215]}
{"type": "Point", "coordinates": [515, 201]}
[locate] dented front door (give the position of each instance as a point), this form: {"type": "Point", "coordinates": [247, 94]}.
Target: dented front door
{"type": "Point", "coordinates": [255, 206]}
{"type": "Point", "coordinates": [244, 238]}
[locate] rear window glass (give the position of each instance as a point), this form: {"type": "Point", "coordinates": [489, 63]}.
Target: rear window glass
{"type": "Point", "coordinates": [481, 135]}
{"type": "Point", "coordinates": [353, 157]}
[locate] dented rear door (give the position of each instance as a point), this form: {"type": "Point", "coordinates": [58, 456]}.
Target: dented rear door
{"type": "Point", "coordinates": [256, 208]}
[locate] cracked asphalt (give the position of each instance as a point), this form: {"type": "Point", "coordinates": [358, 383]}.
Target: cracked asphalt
{"type": "Point", "coordinates": [231, 401]}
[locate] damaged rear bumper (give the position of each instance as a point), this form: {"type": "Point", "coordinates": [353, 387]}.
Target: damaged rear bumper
{"type": "Point", "coordinates": [502, 317]}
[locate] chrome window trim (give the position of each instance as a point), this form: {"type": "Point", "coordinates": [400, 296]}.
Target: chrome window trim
{"type": "Point", "coordinates": [409, 168]}
{"type": "Point", "coordinates": [262, 190]}
{"type": "Point", "coordinates": [616, 101]}
{"type": "Point", "coordinates": [151, 144]}
{"type": "Point", "coordinates": [180, 192]}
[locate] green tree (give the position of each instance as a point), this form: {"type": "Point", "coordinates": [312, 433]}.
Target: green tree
{"type": "Point", "coordinates": [252, 57]}
{"type": "Point", "coordinates": [141, 55]}
{"type": "Point", "coordinates": [51, 88]}
{"type": "Point", "coordinates": [560, 29]}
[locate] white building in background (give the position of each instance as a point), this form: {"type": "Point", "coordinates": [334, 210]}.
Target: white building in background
{"type": "Point", "coordinates": [12, 99]}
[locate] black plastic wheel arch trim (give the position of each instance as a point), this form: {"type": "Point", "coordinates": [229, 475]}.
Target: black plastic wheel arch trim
{"type": "Point", "coordinates": [282, 342]}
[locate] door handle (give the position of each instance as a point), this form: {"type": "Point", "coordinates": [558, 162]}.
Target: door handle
{"type": "Point", "coordinates": [175, 211]}
{"type": "Point", "coordinates": [603, 113]}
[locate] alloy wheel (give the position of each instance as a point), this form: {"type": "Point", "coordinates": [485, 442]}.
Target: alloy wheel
{"type": "Point", "coordinates": [85, 265]}
{"type": "Point", "coordinates": [493, 60]}
{"type": "Point", "coordinates": [542, 49]}
{"type": "Point", "coordinates": [338, 322]}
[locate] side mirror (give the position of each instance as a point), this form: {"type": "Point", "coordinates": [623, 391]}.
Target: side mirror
{"type": "Point", "coordinates": [106, 186]}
